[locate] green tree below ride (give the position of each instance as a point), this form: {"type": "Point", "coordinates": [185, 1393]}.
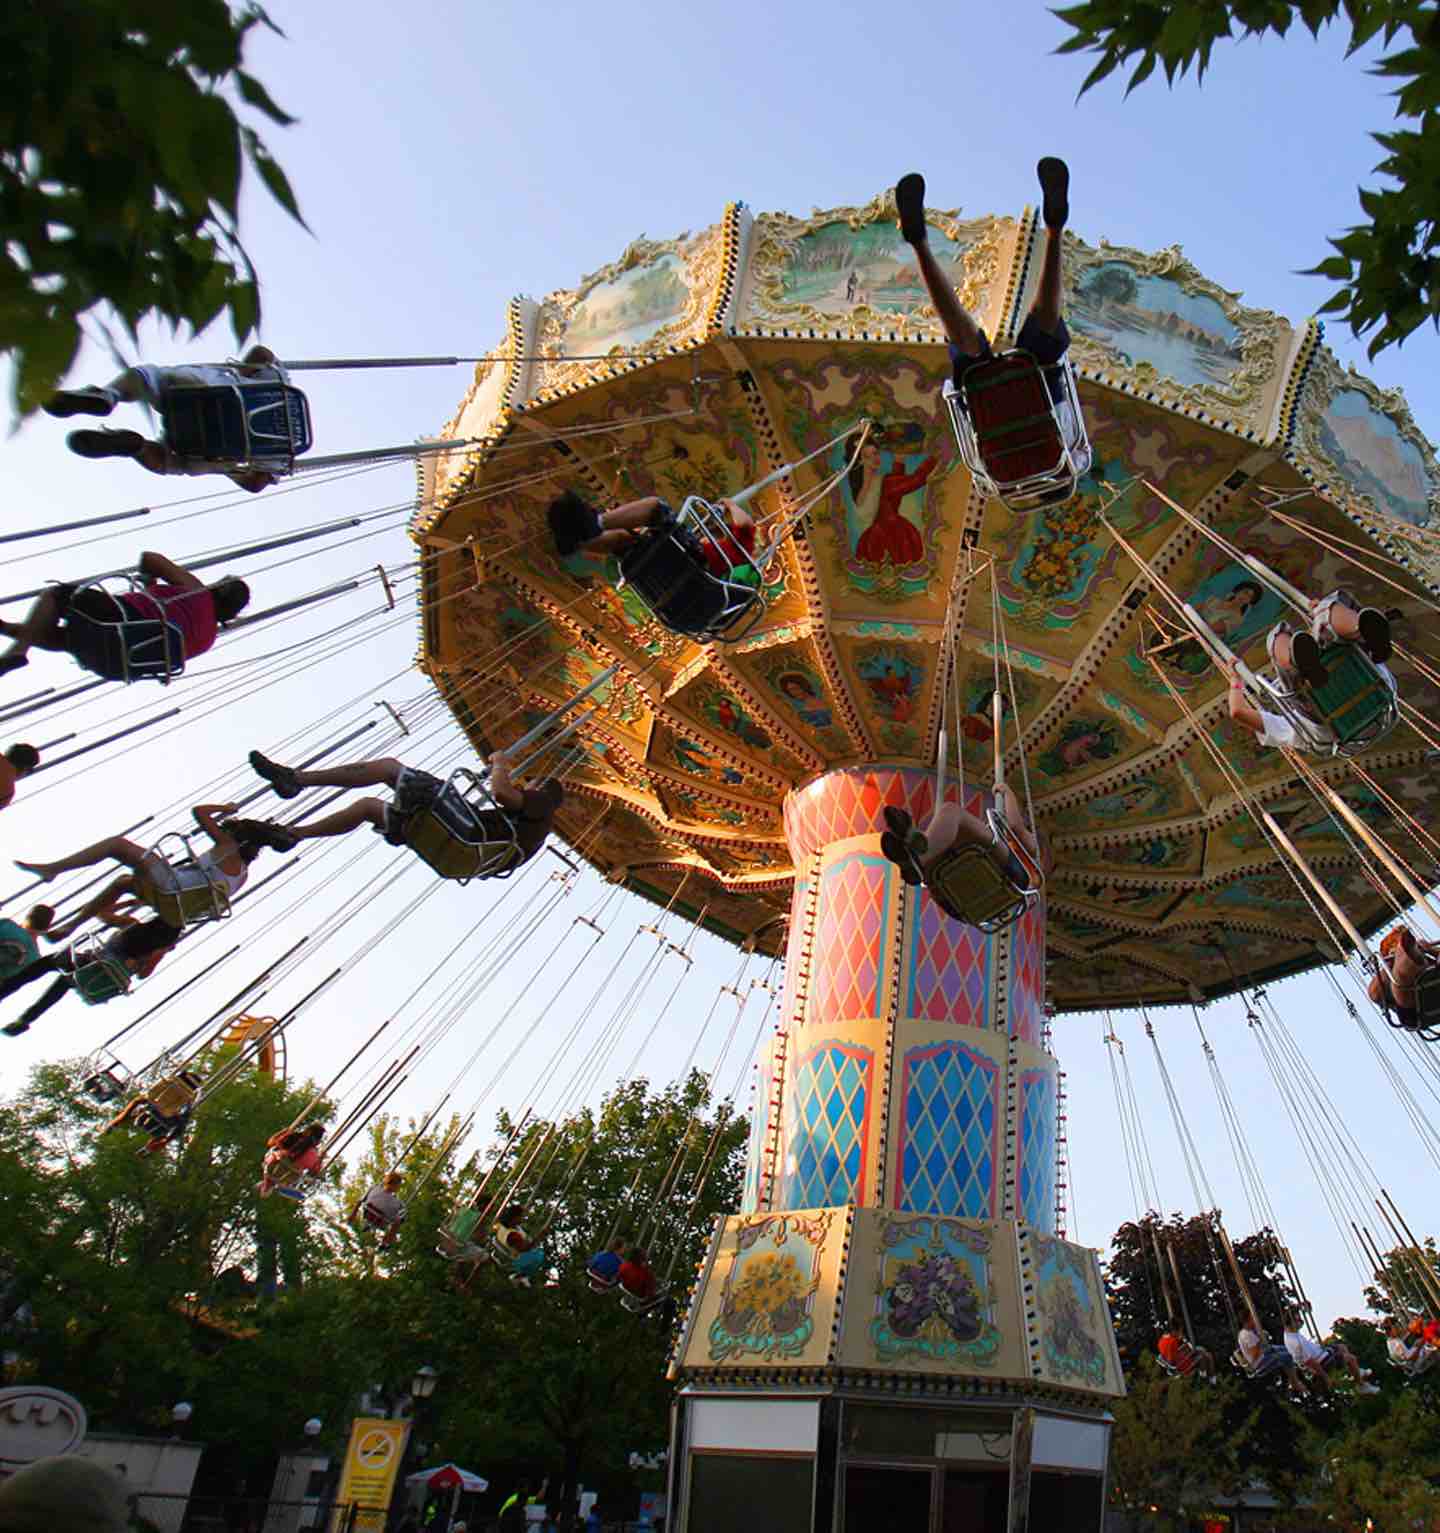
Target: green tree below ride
{"type": "Point", "coordinates": [121, 161]}
{"type": "Point", "coordinates": [1389, 268]}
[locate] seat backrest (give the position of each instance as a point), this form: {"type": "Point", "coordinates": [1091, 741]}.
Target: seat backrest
{"type": "Point", "coordinates": [170, 1095]}
{"type": "Point", "coordinates": [237, 423]}
{"type": "Point", "coordinates": [101, 979]}
{"type": "Point", "coordinates": [969, 887]}
{"type": "Point", "coordinates": [194, 899]}
{"type": "Point", "coordinates": [666, 569]}
{"type": "Point", "coordinates": [433, 836]}
{"type": "Point", "coordinates": [1013, 414]}
{"type": "Point", "coordinates": [1356, 700]}
{"type": "Point", "coordinates": [1427, 996]}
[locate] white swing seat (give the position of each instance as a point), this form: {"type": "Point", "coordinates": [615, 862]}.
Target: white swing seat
{"type": "Point", "coordinates": [666, 568]}
{"type": "Point", "coordinates": [289, 1180]}
{"type": "Point", "coordinates": [969, 886]}
{"type": "Point", "coordinates": [1020, 430]}
{"type": "Point", "coordinates": [107, 1084]}
{"type": "Point", "coordinates": [599, 1284]}
{"type": "Point", "coordinates": [184, 894]}
{"type": "Point", "coordinates": [638, 1306]}
{"type": "Point", "coordinates": [237, 424]}
{"type": "Point", "coordinates": [454, 834]}
{"type": "Point", "coordinates": [131, 648]}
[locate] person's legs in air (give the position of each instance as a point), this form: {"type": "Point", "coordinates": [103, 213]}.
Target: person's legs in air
{"type": "Point", "coordinates": [50, 964]}
{"type": "Point", "coordinates": [1337, 618]}
{"type": "Point", "coordinates": [383, 772]}
{"type": "Point", "coordinates": [57, 992]}
{"type": "Point", "coordinates": [40, 629]}
{"type": "Point", "coordinates": [579, 528]}
{"type": "Point", "coordinates": [364, 811]}
{"type": "Point", "coordinates": [961, 330]}
{"type": "Point", "coordinates": [1045, 312]}
{"type": "Point", "coordinates": [113, 892]}
{"type": "Point", "coordinates": [115, 847]}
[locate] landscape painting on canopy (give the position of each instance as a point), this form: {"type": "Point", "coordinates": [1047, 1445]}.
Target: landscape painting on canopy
{"type": "Point", "coordinates": [1184, 336]}
{"type": "Point", "coordinates": [628, 310]}
{"type": "Point", "coordinates": [1369, 450]}
{"type": "Point", "coordinates": [837, 268]}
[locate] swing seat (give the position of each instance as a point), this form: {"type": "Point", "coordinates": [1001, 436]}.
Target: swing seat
{"type": "Point", "coordinates": [1427, 998]}
{"type": "Point", "coordinates": [165, 1109]}
{"type": "Point", "coordinates": [455, 1244]}
{"type": "Point", "coordinates": [379, 1220]}
{"type": "Point", "coordinates": [130, 648]}
{"type": "Point", "coordinates": [1356, 702]}
{"type": "Point", "coordinates": [969, 886]}
{"type": "Point", "coordinates": [185, 895]}
{"type": "Point", "coordinates": [638, 1306]}
{"type": "Point", "coordinates": [289, 1180]}
{"type": "Point", "coordinates": [666, 568]}
{"type": "Point", "coordinates": [237, 423]}
{"type": "Point", "coordinates": [99, 977]}
{"type": "Point", "coordinates": [1020, 430]}
{"type": "Point", "coordinates": [599, 1284]}
{"type": "Point", "coordinates": [454, 834]}
{"type": "Point", "coordinates": [106, 1085]}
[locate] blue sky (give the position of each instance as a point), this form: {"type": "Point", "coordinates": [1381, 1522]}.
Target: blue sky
{"type": "Point", "coordinates": [449, 157]}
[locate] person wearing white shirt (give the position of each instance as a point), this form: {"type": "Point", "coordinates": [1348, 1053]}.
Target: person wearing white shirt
{"type": "Point", "coordinates": [1262, 1357]}
{"type": "Point", "coordinates": [1316, 1360]}
{"type": "Point", "coordinates": [1413, 1358]}
{"type": "Point", "coordinates": [148, 384]}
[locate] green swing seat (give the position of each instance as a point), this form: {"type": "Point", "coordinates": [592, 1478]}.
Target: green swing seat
{"type": "Point", "coordinates": [1356, 702]}
{"type": "Point", "coordinates": [100, 978]}
{"type": "Point", "coordinates": [968, 886]}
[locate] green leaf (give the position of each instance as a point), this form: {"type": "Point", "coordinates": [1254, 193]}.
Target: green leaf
{"type": "Point", "coordinates": [1142, 73]}
{"type": "Point", "coordinates": [43, 358]}
{"type": "Point", "coordinates": [253, 93]}
{"type": "Point", "coordinates": [274, 178]}
{"type": "Point", "coordinates": [1096, 75]}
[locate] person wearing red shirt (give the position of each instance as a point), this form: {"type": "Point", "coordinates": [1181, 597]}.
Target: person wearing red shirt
{"type": "Point", "coordinates": [1184, 1358]}
{"type": "Point", "coordinates": [637, 1277]}
{"type": "Point", "coordinates": [78, 622]}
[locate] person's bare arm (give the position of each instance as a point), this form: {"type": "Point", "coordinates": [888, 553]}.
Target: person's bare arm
{"type": "Point", "coordinates": [158, 567]}
{"type": "Point", "coordinates": [740, 518]}
{"type": "Point", "coordinates": [208, 817]}
{"type": "Point", "coordinates": [502, 787]}
{"type": "Point", "coordinates": [1240, 708]}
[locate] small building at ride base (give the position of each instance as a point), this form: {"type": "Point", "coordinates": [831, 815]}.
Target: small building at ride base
{"type": "Point", "coordinates": [890, 1334]}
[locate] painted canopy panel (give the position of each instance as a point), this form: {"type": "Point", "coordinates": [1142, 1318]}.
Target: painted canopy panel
{"type": "Point", "coordinates": [698, 365]}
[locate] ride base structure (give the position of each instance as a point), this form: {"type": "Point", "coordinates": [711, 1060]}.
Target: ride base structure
{"type": "Point", "coordinates": [892, 1310]}
{"type": "Point", "coordinates": [893, 1331]}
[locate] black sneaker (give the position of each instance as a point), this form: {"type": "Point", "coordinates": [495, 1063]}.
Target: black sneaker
{"type": "Point", "coordinates": [1305, 656]}
{"type": "Point", "coordinates": [105, 444]}
{"type": "Point", "coordinates": [899, 821]}
{"type": "Point", "coordinates": [281, 778]}
{"type": "Point", "coordinates": [276, 838]}
{"type": "Point", "coordinates": [893, 847]}
{"type": "Point", "coordinates": [1055, 184]}
{"type": "Point", "coordinates": [15, 1029]}
{"type": "Point", "coordinates": [910, 205]}
{"type": "Point", "coordinates": [87, 401]}
{"type": "Point", "coordinates": [1375, 634]}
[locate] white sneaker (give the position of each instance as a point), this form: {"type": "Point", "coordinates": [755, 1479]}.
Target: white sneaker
{"type": "Point", "coordinates": [1368, 1389]}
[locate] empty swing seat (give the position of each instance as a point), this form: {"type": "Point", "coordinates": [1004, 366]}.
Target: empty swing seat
{"type": "Point", "coordinates": [1019, 429]}
{"type": "Point", "coordinates": [107, 1084]}
{"type": "Point", "coordinates": [237, 423]}
{"type": "Point", "coordinates": [455, 1243]}
{"type": "Point", "coordinates": [1356, 702]}
{"type": "Point", "coordinates": [455, 833]}
{"type": "Point", "coordinates": [666, 568]}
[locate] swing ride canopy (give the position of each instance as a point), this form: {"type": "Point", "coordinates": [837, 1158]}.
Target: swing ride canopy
{"type": "Point", "coordinates": [699, 364]}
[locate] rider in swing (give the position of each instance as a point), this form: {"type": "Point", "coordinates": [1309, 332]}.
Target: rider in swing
{"type": "Point", "coordinates": [916, 852]}
{"type": "Point", "coordinates": [1044, 334]}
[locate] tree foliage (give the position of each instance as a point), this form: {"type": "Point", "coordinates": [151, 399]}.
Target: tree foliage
{"type": "Point", "coordinates": [1176, 1442]}
{"type": "Point", "coordinates": [1388, 267]}
{"type": "Point", "coordinates": [122, 155]}
{"type": "Point", "coordinates": [141, 1274]}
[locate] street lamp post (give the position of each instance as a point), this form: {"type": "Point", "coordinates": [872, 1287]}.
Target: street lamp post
{"type": "Point", "coordinates": [422, 1387]}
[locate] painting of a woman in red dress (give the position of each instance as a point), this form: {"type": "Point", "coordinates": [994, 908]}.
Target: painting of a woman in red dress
{"type": "Point", "coordinates": [886, 534]}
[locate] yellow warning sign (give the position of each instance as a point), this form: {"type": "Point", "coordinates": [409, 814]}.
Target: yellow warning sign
{"type": "Point", "coordinates": [372, 1461]}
